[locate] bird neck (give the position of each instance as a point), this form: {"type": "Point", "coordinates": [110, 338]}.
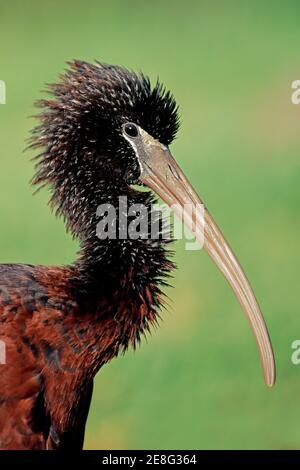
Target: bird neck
{"type": "Point", "coordinates": [120, 230]}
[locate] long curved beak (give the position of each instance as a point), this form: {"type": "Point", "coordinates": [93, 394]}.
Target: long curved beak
{"type": "Point", "coordinates": [160, 172]}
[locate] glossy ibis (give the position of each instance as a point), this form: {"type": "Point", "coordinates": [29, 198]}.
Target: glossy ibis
{"type": "Point", "coordinates": [103, 131]}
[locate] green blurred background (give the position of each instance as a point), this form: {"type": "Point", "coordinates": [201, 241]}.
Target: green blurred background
{"type": "Point", "coordinates": [196, 382]}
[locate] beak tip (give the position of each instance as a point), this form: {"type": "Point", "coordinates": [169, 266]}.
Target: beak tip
{"type": "Point", "coordinates": [270, 384]}
{"type": "Point", "coordinates": [270, 376]}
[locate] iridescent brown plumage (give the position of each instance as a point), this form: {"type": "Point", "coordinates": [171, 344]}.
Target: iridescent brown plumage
{"type": "Point", "coordinates": [104, 130]}
{"type": "Point", "coordinates": [56, 339]}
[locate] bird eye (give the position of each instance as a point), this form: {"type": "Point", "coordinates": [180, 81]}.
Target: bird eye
{"type": "Point", "coordinates": [131, 130]}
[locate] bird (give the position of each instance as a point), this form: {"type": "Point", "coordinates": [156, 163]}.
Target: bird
{"type": "Point", "coordinates": [103, 132]}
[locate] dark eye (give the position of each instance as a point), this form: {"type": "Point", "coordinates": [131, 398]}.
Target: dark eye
{"type": "Point", "coordinates": [131, 130]}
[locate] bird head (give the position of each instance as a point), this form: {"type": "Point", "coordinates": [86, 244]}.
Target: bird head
{"type": "Point", "coordinates": [106, 127]}
{"type": "Point", "coordinates": [93, 122]}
